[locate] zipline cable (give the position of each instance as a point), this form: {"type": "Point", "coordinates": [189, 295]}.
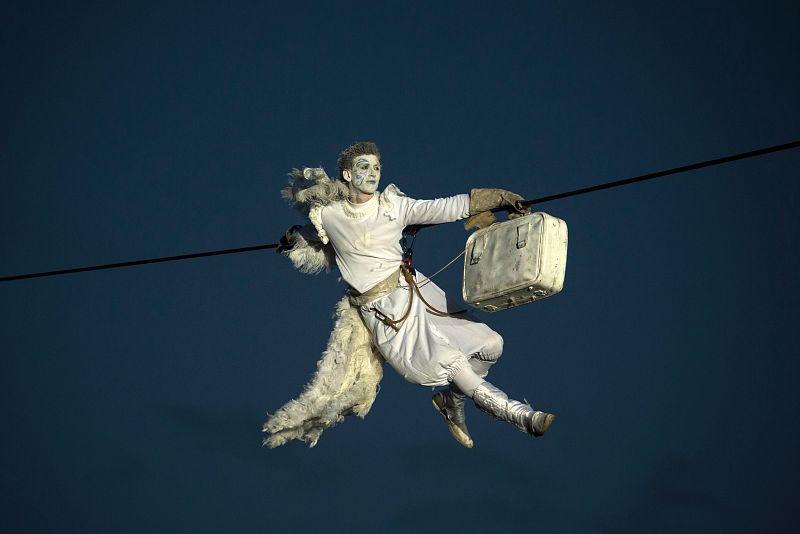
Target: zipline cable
{"type": "Point", "coordinates": [659, 174]}
{"type": "Point", "coordinates": [525, 203]}
{"type": "Point", "coordinates": [139, 262]}
{"type": "Point", "coordinates": [643, 177]}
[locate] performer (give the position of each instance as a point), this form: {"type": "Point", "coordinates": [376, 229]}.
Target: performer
{"type": "Point", "coordinates": [390, 312]}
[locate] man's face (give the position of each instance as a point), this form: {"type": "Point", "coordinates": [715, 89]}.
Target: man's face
{"type": "Point", "coordinates": [365, 174]}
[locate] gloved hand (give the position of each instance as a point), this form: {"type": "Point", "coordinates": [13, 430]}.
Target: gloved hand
{"type": "Point", "coordinates": [286, 242]}
{"type": "Point", "coordinates": [482, 201]}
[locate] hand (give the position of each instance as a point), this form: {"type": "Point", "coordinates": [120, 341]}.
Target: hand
{"type": "Point", "coordinates": [286, 242]}
{"type": "Point", "coordinates": [483, 201]}
{"type": "Point", "coordinates": [480, 220]}
{"type": "Point", "coordinates": [518, 210]}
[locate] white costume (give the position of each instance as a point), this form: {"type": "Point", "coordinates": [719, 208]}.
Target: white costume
{"type": "Point", "coordinates": [376, 321]}
{"type": "Point", "coordinates": [425, 349]}
{"type": "Point", "coordinates": [363, 240]}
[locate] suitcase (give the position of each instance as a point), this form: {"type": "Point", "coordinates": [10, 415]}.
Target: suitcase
{"type": "Point", "coordinates": [515, 262]}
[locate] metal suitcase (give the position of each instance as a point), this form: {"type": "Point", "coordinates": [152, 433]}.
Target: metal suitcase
{"type": "Point", "coordinates": [515, 262]}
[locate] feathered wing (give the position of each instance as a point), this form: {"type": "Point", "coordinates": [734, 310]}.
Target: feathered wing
{"type": "Point", "coordinates": [345, 383]}
{"type": "Point", "coordinates": [312, 187]}
{"type": "Point", "coordinates": [350, 369]}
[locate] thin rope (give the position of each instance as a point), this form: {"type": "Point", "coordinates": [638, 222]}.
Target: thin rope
{"type": "Point", "coordinates": [525, 203]}
{"type": "Point", "coordinates": [428, 279]}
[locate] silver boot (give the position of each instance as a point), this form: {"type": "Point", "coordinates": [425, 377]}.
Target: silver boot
{"type": "Point", "coordinates": [493, 401]}
{"type": "Point", "coordinates": [450, 404]}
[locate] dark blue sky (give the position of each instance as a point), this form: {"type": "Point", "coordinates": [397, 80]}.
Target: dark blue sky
{"type": "Point", "coordinates": [132, 399]}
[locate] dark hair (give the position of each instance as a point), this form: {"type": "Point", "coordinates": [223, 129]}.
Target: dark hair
{"type": "Point", "coordinates": [345, 161]}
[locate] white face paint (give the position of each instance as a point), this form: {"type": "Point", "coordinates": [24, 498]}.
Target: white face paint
{"type": "Point", "coordinates": [365, 174]}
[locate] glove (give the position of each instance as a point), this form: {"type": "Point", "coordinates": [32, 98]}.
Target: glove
{"type": "Point", "coordinates": [479, 220]}
{"type": "Point", "coordinates": [287, 242]}
{"type": "Point", "coordinates": [482, 201]}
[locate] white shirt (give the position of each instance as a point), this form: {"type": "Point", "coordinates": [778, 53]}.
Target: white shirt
{"type": "Point", "coordinates": [366, 237]}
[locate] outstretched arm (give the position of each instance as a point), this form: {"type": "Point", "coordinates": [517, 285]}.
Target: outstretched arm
{"type": "Point", "coordinates": [440, 210]}
{"type": "Point", "coordinates": [478, 206]}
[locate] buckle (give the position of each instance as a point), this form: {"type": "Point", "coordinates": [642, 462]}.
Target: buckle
{"type": "Point", "coordinates": [385, 319]}
{"type": "Point", "coordinates": [380, 315]}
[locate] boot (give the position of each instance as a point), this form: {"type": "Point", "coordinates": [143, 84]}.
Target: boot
{"type": "Point", "coordinates": [493, 401]}
{"type": "Point", "coordinates": [451, 405]}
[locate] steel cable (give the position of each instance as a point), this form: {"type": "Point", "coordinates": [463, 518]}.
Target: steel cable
{"type": "Point", "coordinates": [526, 203]}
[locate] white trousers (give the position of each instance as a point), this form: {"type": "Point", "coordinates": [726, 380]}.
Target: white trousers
{"type": "Point", "coordinates": [428, 349]}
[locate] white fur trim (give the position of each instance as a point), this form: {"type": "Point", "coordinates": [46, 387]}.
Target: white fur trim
{"type": "Point", "coordinates": [312, 187]}
{"type": "Point", "coordinates": [308, 254]}
{"type": "Point", "coordinates": [346, 382]}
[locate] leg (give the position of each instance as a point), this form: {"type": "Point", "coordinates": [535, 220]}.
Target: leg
{"type": "Point", "coordinates": [493, 401]}
{"type": "Point", "coordinates": [490, 399]}
{"type": "Point", "coordinates": [450, 403]}
{"type": "Point", "coordinates": [481, 367]}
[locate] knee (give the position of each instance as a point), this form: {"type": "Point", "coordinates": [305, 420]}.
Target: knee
{"type": "Point", "coordinates": [492, 348]}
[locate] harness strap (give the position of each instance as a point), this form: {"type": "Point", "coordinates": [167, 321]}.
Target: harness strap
{"type": "Point", "coordinates": [394, 324]}
{"type": "Point", "coordinates": [413, 283]}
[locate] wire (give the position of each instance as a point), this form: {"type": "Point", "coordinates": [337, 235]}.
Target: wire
{"type": "Point", "coordinates": [526, 203]}
{"type": "Point", "coordinates": [428, 279]}
{"type": "Point", "coordinates": [139, 262]}
{"type": "Point", "coordinates": [650, 176]}
{"type": "Point", "coordinates": [659, 174]}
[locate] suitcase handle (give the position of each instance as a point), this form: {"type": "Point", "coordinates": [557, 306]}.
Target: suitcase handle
{"type": "Point", "coordinates": [479, 244]}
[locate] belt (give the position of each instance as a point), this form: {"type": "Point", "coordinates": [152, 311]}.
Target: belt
{"type": "Point", "coordinates": [381, 289]}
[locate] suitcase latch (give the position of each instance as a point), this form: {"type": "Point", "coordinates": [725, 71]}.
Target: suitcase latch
{"type": "Point", "coordinates": [522, 235]}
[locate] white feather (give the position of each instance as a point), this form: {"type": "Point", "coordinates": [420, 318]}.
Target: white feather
{"type": "Point", "coordinates": [345, 383]}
